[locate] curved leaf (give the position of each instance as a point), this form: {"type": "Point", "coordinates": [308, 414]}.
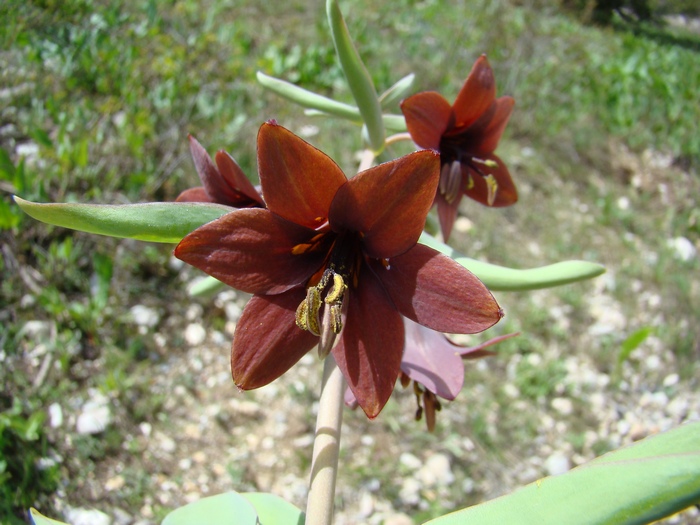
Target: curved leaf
{"type": "Point", "coordinates": [273, 510]}
{"type": "Point", "coordinates": [309, 99]}
{"type": "Point", "coordinates": [357, 76]}
{"type": "Point", "coordinates": [644, 482]}
{"type": "Point", "coordinates": [396, 92]}
{"type": "Point", "coordinates": [501, 279]}
{"type": "Point", "coordinates": [205, 286]}
{"type": "Point", "coordinates": [229, 508]}
{"type": "Point", "coordinates": [394, 123]}
{"type": "Point", "coordinates": [153, 221]}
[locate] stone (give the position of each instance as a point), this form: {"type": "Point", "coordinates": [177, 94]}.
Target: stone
{"type": "Point", "coordinates": [81, 516]}
{"type": "Point", "coordinates": [144, 315]}
{"type": "Point", "coordinates": [557, 463]}
{"type": "Point", "coordinates": [95, 415]}
{"type": "Point", "coordinates": [195, 334]}
{"type": "Point", "coordinates": [436, 471]}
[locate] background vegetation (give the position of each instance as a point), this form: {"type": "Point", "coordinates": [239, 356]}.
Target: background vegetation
{"type": "Point", "coordinates": [97, 99]}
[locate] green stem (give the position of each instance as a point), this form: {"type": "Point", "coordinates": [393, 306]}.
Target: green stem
{"type": "Point", "coordinates": [324, 462]}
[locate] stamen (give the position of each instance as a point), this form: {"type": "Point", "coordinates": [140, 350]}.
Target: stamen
{"type": "Point", "coordinates": [308, 311]}
{"type": "Point", "coordinates": [491, 188]}
{"type": "Point", "coordinates": [450, 180]}
{"type": "Point", "coordinates": [489, 163]}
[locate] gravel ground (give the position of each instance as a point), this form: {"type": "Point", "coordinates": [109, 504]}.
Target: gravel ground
{"type": "Point", "coordinates": [209, 438]}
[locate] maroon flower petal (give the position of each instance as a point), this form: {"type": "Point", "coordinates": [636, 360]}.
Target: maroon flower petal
{"type": "Point", "coordinates": [197, 194]}
{"type": "Point", "coordinates": [231, 172]}
{"type": "Point", "coordinates": [251, 250]}
{"type": "Point", "coordinates": [427, 116]}
{"type": "Point", "coordinates": [435, 291]}
{"type": "Point", "coordinates": [215, 185]}
{"type": "Point", "coordinates": [371, 344]}
{"type": "Point", "coordinates": [506, 192]}
{"type": "Point", "coordinates": [388, 203]}
{"type": "Point", "coordinates": [267, 341]}
{"type": "Point", "coordinates": [298, 180]}
{"type": "Point", "coordinates": [432, 360]}
{"type": "Point", "coordinates": [477, 94]}
{"type": "Point", "coordinates": [489, 132]}
{"type": "Point", "coordinates": [447, 213]}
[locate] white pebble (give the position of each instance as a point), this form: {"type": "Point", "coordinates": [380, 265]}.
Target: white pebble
{"type": "Point", "coordinates": [557, 464]}
{"type": "Point", "coordinates": [195, 334]}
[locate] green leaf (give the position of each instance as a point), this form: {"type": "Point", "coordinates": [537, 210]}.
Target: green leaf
{"type": "Point", "coordinates": [153, 221]}
{"type": "Point", "coordinates": [397, 92]}
{"type": "Point", "coordinates": [502, 279]}
{"type": "Point", "coordinates": [632, 342]}
{"type": "Point", "coordinates": [395, 123]}
{"type": "Point", "coordinates": [229, 508]}
{"type": "Point", "coordinates": [39, 519]}
{"type": "Point", "coordinates": [308, 99]}
{"type": "Point", "coordinates": [205, 286]}
{"type": "Point", "coordinates": [357, 76]}
{"type": "Point", "coordinates": [273, 510]}
{"type": "Point", "coordinates": [644, 482]}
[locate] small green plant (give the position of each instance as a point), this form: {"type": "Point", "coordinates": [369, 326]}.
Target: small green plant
{"type": "Point", "coordinates": [26, 473]}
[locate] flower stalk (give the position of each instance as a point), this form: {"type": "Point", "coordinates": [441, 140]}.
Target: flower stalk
{"type": "Point", "coordinates": [324, 461]}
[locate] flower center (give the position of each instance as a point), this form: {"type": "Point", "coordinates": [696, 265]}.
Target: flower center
{"type": "Point", "coordinates": [329, 293]}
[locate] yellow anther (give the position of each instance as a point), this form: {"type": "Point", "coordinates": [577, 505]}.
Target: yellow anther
{"type": "Point", "coordinates": [492, 188]}
{"type": "Point", "coordinates": [307, 314]}
{"type": "Point", "coordinates": [338, 290]}
{"type": "Point", "coordinates": [336, 318]}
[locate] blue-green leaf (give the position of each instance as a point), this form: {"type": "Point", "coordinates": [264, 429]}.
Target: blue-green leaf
{"type": "Point", "coordinates": [357, 76]}
{"type": "Point", "coordinates": [229, 508]}
{"type": "Point", "coordinates": [644, 482]}
{"type": "Point", "coordinates": [499, 278]}
{"type": "Point", "coordinates": [153, 221]}
{"type": "Point", "coordinates": [273, 510]}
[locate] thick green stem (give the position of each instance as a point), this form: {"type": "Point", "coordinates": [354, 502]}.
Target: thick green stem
{"type": "Point", "coordinates": [324, 462]}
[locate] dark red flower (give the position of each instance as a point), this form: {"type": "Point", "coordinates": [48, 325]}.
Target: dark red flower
{"type": "Point", "coordinates": [466, 135]}
{"type": "Point", "coordinates": [222, 183]}
{"type": "Point", "coordinates": [331, 256]}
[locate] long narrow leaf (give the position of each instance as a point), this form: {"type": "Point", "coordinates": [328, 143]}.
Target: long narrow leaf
{"type": "Point", "coordinates": [394, 123]}
{"type": "Point", "coordinates": [154, 221]}
{"type": "Point", "coordinates": [309, 99]}
{"type": "Point", "coordinates": [357, 76]}
{"type": "Point", "coordinates": [639, 484]}
{"type": "Point", "coordinates": [397, 92]}
{"type": "Point", "coordinates": [499, 278]}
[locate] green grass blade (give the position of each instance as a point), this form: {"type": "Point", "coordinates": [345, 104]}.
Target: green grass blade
{"type": "Point", "coordinates": [357, 76]}
{"type": "Point", "coordinates": [153, 221]}
{"type": "Point", "coordinates": [639, 484]}
{"type": "Point", "coordinates": [501, 279]}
